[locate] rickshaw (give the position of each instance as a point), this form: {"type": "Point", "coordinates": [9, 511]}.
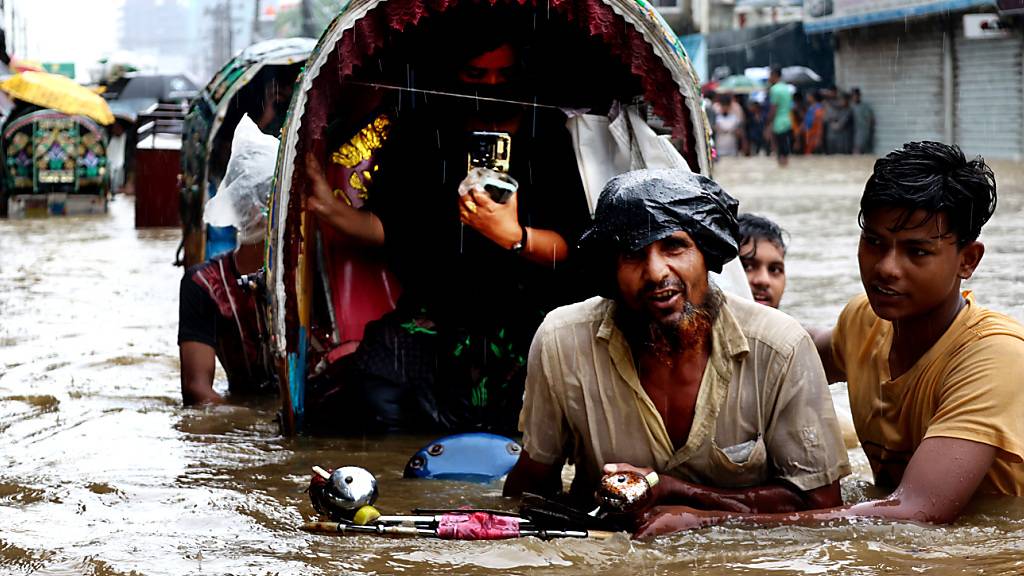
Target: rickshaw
{"type": "Point", "coordinates": [53, 147]}
{"type": "Point", "coordinates": [209, 125]}
{"type": "Point", "coordinates": [371, 57]}
{"type": "Point", "coordinates": [54, 163]}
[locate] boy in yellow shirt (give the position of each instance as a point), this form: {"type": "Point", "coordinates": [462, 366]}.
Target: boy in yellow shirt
{"type": "Point", "coordinates": [934, 378]}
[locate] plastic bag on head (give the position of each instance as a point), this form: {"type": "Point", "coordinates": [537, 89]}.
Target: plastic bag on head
{"type": "Point", "coordinates": [641, 207]}
{"type": "Point", "coordinates": [244, 193]}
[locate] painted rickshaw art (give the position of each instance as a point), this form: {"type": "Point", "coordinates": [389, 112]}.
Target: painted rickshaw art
{"type": "Point", "coordinates": [209, 124]}
{"type": "Point", "coordinates": [321, 295]}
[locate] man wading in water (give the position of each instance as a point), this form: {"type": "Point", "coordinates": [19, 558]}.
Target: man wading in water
{"type": "Point", "coordinates": [723, 396]}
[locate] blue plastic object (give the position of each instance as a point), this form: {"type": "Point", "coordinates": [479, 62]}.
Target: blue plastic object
{"type": "Point", "coordinates": [220, 240]}
{"type": "Point", "coordinates": [470, 457]}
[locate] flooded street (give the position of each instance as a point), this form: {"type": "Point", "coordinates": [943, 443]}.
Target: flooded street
{"type": "Point", "coordinates": [103, 472]}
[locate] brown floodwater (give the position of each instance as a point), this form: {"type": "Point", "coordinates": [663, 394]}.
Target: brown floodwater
{"type": "Point", "coordinates": [103, 472]}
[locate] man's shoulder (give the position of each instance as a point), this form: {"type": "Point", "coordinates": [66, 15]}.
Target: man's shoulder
{"type": "Point", "coordinates": [765, 324]}
{"type": "Point", "coordinates": [591, 311]}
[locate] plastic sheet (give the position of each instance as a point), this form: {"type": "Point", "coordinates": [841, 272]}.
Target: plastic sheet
{"type": "Point", "coordinates": [241, 201]}
{"type": "Point", "coordinates": [641, 207]}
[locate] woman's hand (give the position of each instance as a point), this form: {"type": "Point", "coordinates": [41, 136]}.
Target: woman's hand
{"type": "Point", "coordinates": [321, 201]}
{"type": "Point", "coordinates": [497, 222]}
{"type": "Point", "coordinates": [360, 226]}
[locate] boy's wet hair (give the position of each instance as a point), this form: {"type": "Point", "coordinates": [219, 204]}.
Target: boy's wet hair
{"type": "Point", "coordinates": [754, 227]}
{"type": "Point", "coordinates": [936, 178]}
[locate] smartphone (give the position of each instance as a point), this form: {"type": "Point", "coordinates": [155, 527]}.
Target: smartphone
{"type": "Point", "coordinates": [490, 150]}
{"type": "Point", "coordinates": [493, 150]}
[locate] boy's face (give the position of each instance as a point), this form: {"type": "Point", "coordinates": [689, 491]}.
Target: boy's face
{"type": "Point", "coordinates": [911, 272]}
{"type": "Point", "coordinates": [765, 265]}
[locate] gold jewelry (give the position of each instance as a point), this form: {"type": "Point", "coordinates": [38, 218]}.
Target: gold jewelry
{"type": "Point", "coordinates": [471, 206]}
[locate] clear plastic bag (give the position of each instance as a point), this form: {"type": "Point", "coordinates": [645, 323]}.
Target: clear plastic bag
{"type": "Point", "coordinates": [499, 185]}
{"type": "Point", "coordinates": [244, 193]}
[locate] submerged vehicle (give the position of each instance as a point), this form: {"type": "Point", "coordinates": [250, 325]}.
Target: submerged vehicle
{"type": "Point", "coordinates": [54, 147]}
{"type": "Point", "coordinates": [377, 62]}
{"type": "Point", "coordinates": [239, 88]}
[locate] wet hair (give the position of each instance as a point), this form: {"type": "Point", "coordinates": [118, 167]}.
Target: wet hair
{"type": "Point", "coordinates": [936, 178]}
{"type": "Point", "coordinates": [754, 228]}
{"type": "Point", "coordinates": [775, 71]}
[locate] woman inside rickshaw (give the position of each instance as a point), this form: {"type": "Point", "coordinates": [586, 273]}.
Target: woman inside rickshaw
{"type": "Point", "coordinates": [477, 275]}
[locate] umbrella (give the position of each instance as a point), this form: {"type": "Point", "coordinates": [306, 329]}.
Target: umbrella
{"type": "Point", "coordinates": [800, 75]}
{"type": "Point", "coordinates": [59, 93]}
{"type": "Point", "coordinates": [738, 84]}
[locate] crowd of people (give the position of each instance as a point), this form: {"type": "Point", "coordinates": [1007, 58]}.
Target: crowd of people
{"type": "Point", "coordinates": [784, 120]}
{"type": "Point", "coordinates": [606, 342]}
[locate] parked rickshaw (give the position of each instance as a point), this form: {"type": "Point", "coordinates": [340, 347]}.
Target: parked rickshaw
{"type": "Point", "coordinates": [53, 147]}
{"type": "Point", "coordinates": [375, 55]}
{"type": "Point", "coordinates": [206, 143]}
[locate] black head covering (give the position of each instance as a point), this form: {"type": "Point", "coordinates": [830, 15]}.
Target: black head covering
{"type": "Point", "coordinates": [638, 208]}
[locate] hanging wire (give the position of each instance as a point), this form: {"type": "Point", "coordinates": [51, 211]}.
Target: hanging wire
{"type": "Point", "coordinates": [454, 95]}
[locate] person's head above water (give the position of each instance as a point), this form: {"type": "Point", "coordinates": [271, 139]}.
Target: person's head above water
{"type": "Point", "coordinates": [920, 215]}
{"type": "Point", "coordinates": [655, 236]}
{"type": "Point", "coordinates": [763, 254]}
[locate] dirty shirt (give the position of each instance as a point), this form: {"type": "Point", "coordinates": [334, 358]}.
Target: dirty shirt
{"type": "Point", "coordinates": [763, 412]}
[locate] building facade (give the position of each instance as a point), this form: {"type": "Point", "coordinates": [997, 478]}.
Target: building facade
{"type": "Point", "coordinates": [949, 70]}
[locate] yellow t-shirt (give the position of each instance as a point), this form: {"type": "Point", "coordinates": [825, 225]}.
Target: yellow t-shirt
{"type": "Point", "coordinates": [969, 385]}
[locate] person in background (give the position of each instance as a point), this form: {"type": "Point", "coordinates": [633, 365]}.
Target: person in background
{"type": "Point", "coordinates": [839, 137]}
{"type": "Point", "coordinates": [218, 317]}
{"type": "Point", "coordinates": [814, 124]}
{"type": "Point", "coordinates": [863, 124]}
{"type": "Point", "coordinates": [797, 113]}
{"type": "Point", "coordinates": [755, 143]}
{"type": "Point", "coordinates": [728, 127]}
{"type": "Point", "coordinates": [780, 120]}
{"type": "Point", "coordinates": [763, 254]}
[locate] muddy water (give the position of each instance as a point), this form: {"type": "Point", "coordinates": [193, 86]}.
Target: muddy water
{"type": "Point", "coordinates": [101, 471]}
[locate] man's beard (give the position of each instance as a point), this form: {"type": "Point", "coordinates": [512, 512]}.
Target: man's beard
{"type": "Point", "coordinates": [668, 338]}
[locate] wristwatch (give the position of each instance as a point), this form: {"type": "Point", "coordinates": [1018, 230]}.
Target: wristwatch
{"type": "Point", "coordinates": [518, 247]}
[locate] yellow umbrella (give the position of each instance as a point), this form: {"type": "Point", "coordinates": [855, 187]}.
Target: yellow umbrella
{"type": "Point", "coordinates": [59, 93]}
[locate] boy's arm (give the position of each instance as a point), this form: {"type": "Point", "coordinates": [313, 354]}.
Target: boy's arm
{"type": "Point", "coordinates": [940, 480]}
{"type": "Point", "coordinates": [823, 342]}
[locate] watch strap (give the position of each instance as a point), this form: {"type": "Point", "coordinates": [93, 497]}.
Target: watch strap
{"type": "Point", "coordinates": [518, 247]}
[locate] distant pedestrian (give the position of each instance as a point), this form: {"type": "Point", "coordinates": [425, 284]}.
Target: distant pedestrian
{"type": "Point", "coordinates": [839, 138]}
{"type": "Point", "coordinates": [797, 120]}
{"type": "Point", "coordinates": [780, 96]}
{"type": "Point", "coordinates": [814, 124]}
{"type": "Point", "coordinates": [755, 129]}
{"type": "Point", "coordinates": [863, 124]}
{"type": "Point", "coordinates": [728, 127]}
